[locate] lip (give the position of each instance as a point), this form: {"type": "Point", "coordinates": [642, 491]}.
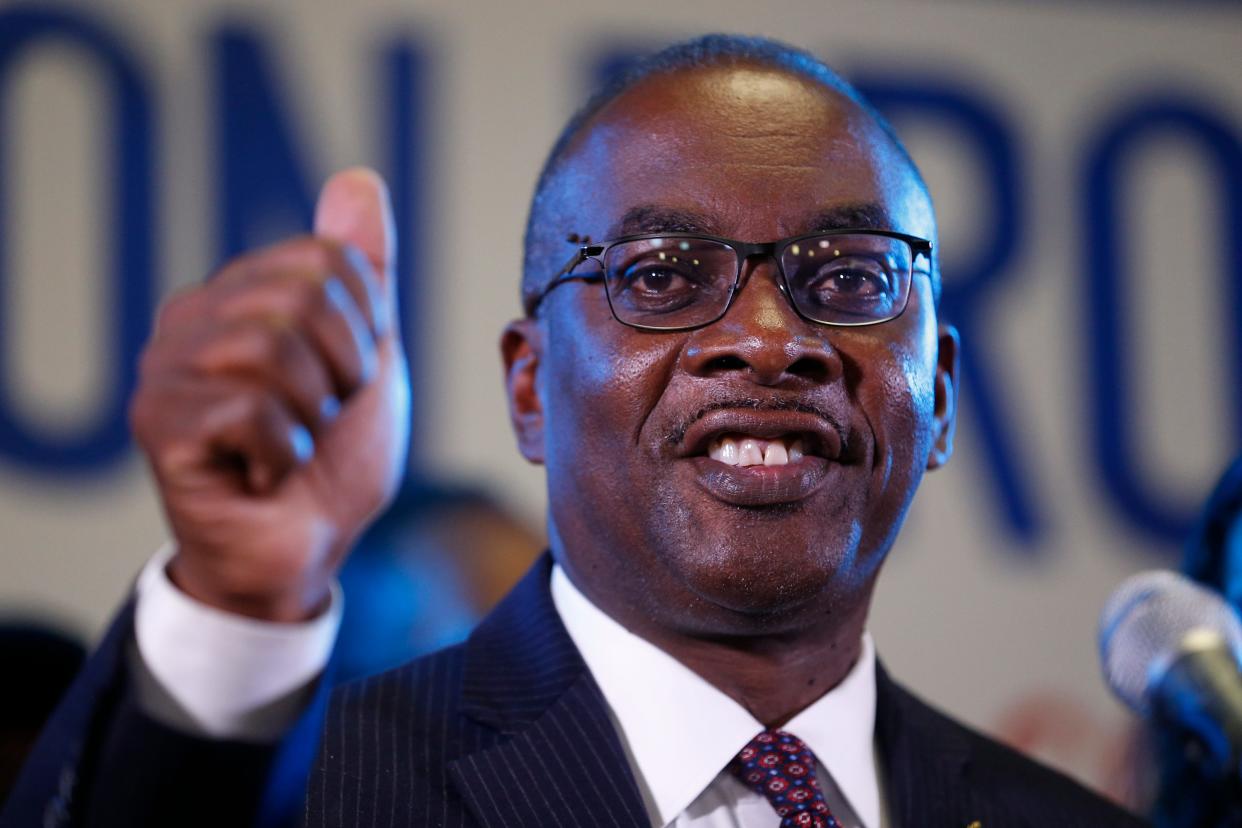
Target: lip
{"type": "Point", "coordinates": [761, 485]}
{"type": "Point", "coordinates": [820, 437]}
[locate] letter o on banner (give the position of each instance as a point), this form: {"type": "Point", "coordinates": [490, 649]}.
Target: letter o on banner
{"type": "Point", "coordinates": [131, 289]}
{"type": "Point", "coordinates": [1114, 440]}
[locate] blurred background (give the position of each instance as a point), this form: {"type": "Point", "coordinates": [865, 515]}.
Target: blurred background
{"type": "Point", "coordinates": [1086, 162]}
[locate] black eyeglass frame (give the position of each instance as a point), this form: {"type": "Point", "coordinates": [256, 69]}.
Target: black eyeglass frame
{"type": "Point", "coordinates": [745, 250]}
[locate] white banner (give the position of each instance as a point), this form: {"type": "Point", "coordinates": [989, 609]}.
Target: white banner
{"type": "Point", "coordinates": [1085, 159]}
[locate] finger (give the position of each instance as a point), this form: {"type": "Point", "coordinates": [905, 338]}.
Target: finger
{"type": "Point", "coordinates": [221, 426]}
{"type": "Point", "coordinates": [255, 426]}
{"type": "Point", "coordinates": [354, 208]}
{"type": "Point", "coordinates": [318, 259]}
{"type": "Point", "coordinates": [325, 311]}
{"type": "Point", "coordinates": [275, 353]}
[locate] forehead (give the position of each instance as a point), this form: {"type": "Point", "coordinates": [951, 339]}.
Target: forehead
{"type": "Point", "coordinates": [750, 152]}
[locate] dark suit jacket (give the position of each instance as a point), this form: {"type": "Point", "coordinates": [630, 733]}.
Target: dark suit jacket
{"type": "Point", "coordinates": [507, 729]}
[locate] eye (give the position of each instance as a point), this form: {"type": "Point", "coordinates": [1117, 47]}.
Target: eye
{"type": "Point", "coordinates": [657, 283]}
{"type": "Point", "coordinates": [657, 278]}
{"type": "Point", "coordinates": [665, 276]}
{"type": "Point", "coordinates": [662, 272]}
{"type": "Point", "coordinates": [850, 278]}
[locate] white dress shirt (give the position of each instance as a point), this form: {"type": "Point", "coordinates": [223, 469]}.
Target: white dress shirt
{"type": "Point", "coordinates": [216, 674]}
{"type": "Point", "coordinates": [220, 675]}
{"type": "Point", "coordinates": [680, 733]}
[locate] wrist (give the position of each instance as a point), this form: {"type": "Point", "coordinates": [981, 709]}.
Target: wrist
{"type": "Point", "coordinates": [291, 603]}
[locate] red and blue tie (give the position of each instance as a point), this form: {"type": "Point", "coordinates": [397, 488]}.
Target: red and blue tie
{"type": "Point", "coordinates": [780, 766]}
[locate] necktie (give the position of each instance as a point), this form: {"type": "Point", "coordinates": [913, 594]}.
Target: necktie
{"type": "Point", "coordinates": [780, 766]}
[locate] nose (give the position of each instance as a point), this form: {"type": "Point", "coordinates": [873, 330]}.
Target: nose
{"type": "Point", "coordinates": [762, 337]}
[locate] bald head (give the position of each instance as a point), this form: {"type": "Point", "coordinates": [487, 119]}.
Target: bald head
{"type": "Point", "coordinates": [785, 89]}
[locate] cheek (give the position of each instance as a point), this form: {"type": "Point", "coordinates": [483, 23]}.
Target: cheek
{"type": "Point", "coordinates": [898, 403]}
{"type": "Point", "coordinates": [900, 413]}
{"type": "Point", "coordinates": [601, 381]}
{"type": "Point", "coordinates": [917, 380]}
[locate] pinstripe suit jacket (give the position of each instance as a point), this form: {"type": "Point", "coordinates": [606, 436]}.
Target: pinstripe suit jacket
{"type": "Point", "coordinates": [507, 729]}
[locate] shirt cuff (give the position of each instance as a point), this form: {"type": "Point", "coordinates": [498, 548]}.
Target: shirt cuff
{"type": "Point", "coordinates": [216, 674]}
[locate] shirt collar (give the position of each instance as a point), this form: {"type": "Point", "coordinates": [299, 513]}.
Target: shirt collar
{"type": "Point", "coordinates": [661, 707]}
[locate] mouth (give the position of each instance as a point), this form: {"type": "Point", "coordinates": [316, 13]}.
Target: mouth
{"type": "Point", "coordinates": [742, 450]}
{"type": "Point", "coordinates": [761, 457]}
{"type": "Point", "coordinates": [757, 435]}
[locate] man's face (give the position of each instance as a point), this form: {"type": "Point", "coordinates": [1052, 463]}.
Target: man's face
{"type": "Point", "coordinates": [644, 520]}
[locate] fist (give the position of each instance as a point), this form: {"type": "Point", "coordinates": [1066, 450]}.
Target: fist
{"type": "Point", "coordinates": [273, 408]}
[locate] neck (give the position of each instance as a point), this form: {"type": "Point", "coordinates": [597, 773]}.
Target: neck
{"type": "Point", "coordinates": [774, 677]}
{"type": "Point", "coordinates": [774, 672]}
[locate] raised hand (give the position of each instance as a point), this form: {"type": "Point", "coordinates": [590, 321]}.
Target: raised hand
{"type": "Point", "coordinates": [273, 407]}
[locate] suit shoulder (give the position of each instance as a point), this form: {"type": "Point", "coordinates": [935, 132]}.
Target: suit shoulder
{"type": "Point", "coordinates": [1026, 786]}
{"type": "Point", "coordinates": [388, 745]}
{"type": "Point", "coordinates": [410, 696]}
{"type": "Point", "coordinates": [1028, 780]}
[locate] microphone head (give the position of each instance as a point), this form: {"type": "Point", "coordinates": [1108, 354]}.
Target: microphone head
{"type": "Point", "coordinates": [1144, 627]}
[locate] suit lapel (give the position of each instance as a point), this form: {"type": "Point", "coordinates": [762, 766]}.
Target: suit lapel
{"type": "Point", "coordinates": [559, 760]}
{"type": "Point", "coordinates": [929, 773]}
{"type": "Point", "coordinates": [923, 775]}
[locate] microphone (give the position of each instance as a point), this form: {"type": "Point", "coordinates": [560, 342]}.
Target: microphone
{"type": "Point", "coordinates": [1170, 650]}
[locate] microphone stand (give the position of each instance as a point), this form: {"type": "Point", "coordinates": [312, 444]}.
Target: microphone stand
{"type": "Point", "coordinates": [1200, 706]}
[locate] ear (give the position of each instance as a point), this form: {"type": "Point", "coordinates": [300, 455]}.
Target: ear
{"type": "Point", "coordinates": [945, 412]}
{"type": "Point", "coordinates": [521, 347]}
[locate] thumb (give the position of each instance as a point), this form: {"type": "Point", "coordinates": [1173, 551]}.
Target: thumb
{"type": "Point", "coordinates": [354, 208]}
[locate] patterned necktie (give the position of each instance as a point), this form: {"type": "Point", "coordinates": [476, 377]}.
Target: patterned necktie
{"type": "Point", "coordinates": [780, 766]}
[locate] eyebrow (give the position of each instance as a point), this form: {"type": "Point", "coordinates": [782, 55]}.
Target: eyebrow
{"type": "Point", "coordinates": [862, 216]}
{"type": "Point", "coordinates": [650, 218]}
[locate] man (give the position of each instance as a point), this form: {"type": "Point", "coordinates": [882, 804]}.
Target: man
{"type": "Point", "coordinates": [735, 375]}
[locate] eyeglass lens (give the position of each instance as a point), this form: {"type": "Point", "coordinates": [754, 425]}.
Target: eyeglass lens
{"type": "Point", "coordinates": [674, 282]}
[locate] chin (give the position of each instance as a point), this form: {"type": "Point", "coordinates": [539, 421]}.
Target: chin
{"type": "Point", "coordinates": [767, 576]}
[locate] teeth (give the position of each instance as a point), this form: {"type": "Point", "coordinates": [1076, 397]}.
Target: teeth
{"type": "Point", "coordinates": [775, 455]}
{"type": "Point", "coordinates": [724, 450]}
{"type": "Point", "coordinates": [796, 451]}
{"type": "Point", "coordinates": [752, 451]}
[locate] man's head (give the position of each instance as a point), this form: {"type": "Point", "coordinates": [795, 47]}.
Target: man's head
{"type": "Point", "coordinates": [545, 246]}
{"type": "Point", "coordinates": [751, 141]}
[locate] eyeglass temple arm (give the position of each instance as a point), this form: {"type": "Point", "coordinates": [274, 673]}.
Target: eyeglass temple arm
{"type": "Point", "coordinates": [921, 248]}
{"type": "Point", "coordinates": [565, 274]}
{"type": "Point", "coordinates": [574, 260]}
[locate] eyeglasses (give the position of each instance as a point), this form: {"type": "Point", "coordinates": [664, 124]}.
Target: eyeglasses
{"type": "Point", "coordinates": [678, 281]}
